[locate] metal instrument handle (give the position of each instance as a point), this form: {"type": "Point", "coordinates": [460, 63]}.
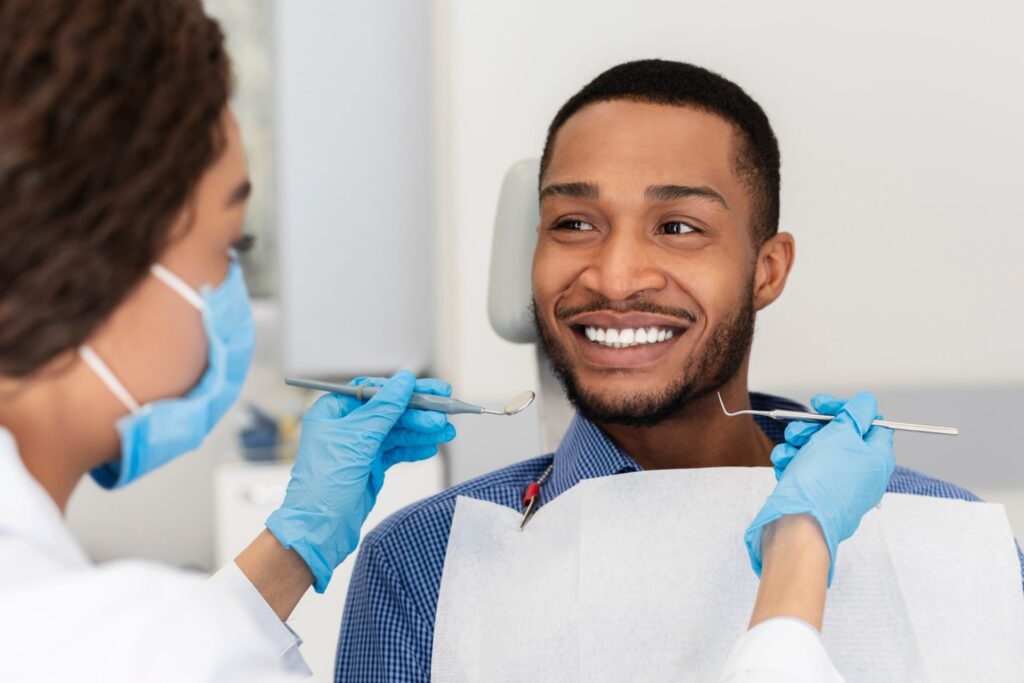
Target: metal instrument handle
{"type": "Point", "coordinates": [900, 426]}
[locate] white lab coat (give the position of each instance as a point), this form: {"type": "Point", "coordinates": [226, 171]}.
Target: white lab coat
{"type": "Point", "coordinates": [780, 650]}
{"type": "Point", "coordinates": [67, 619]}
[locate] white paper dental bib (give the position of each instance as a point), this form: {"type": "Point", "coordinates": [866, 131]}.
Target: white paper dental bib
{"type": "Point", "coordinates": [644, 577]}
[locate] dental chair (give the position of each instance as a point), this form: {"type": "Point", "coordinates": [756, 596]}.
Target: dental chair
{"type": "Point", "coordinates": [510, 293]}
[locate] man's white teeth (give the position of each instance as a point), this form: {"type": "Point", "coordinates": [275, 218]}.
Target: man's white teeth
{"type": "Point", "coordinates": [618, 339]}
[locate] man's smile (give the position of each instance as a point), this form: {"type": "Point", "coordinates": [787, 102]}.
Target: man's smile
{"type": "Point", "coordinates": [624, 340]}
{"type": "Point", "coordinates": [620, 339]}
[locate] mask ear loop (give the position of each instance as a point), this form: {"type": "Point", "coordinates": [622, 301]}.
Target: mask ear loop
{"type": "Point", "coordinates": [104, 372]}
{"type": "Point", "coordinates": [178, 285]}
{"type": "Point", "coordinates": [108, 378]}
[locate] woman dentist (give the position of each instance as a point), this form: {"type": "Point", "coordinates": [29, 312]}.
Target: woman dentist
{"type": "Point", "coordinates": [125, 335]}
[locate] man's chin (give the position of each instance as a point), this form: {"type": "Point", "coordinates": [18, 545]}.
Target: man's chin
{"type": "Point", "coordinates": [632, 409]}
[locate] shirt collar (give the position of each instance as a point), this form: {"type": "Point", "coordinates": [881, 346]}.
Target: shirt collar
{"type": "Point", "coordinates": [27, 511]}
{"type": "Point", "coordinates": [586, 452]}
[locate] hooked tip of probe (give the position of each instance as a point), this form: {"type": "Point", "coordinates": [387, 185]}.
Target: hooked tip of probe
{"type": "Point", "coordinates": [721, 402]}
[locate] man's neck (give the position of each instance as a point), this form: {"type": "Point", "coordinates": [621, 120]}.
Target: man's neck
{"type": "Point", "coordinates": [701, 435]}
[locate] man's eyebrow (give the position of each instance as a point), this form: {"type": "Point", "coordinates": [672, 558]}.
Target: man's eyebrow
{"type": "Point", "coordinates": [668, 193]}
{"type": "Point", "coordinates": [575, 190]}
{"type": "Point", "coordinates": [240, 193]}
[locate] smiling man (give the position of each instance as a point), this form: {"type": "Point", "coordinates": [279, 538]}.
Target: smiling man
{"type": "Point", "coordinates": [658, 243]}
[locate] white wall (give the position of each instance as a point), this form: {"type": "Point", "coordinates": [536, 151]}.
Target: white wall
{"type": "Point", "coordinates": [355, 189]}
{"type": "Point", "coordinates": [902, 147]}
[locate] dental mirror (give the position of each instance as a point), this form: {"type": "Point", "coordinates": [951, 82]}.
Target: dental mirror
{"type": "Point", "coordinates": [517, 404]}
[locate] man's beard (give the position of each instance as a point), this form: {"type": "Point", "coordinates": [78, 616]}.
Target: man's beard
{"type": "Point", "coordinates": [708, 370]}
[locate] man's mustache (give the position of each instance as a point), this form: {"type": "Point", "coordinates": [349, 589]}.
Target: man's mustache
{"type": "Point", "coordinates": [603, 304]}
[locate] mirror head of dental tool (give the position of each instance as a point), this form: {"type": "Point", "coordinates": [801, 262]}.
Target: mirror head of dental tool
{"type": "Point", "coordinates": [818, 417]}
{"type": "Point", "coordinates": [440, 404]}
{"type": "Point", "coordinates": [517, 404]}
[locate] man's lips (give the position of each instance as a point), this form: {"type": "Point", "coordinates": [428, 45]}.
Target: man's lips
{"type": "Point", "coordinates": [624, 340]}
{"type": "Point", "coordinates": [635, 356]}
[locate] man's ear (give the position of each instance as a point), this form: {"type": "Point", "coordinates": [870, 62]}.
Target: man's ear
{"type": "Point", "coordinates": [774, 261]}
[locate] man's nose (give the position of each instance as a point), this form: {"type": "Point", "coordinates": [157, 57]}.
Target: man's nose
{"type": "Point", "coordinates": [623, 266]}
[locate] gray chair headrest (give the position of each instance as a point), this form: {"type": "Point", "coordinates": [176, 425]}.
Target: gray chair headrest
{"type": "Point", "coordinates": [509, 292]}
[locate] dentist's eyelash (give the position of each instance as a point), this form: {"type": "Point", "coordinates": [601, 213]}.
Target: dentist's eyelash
{"type": "Point", "coordinates": [244, 244]}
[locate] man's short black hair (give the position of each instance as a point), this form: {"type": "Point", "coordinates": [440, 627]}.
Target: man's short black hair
{"type": "Point", "coordinates": [657, 81]}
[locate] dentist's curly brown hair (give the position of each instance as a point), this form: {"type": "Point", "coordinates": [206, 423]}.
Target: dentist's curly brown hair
{"type": "Point", "coordinates": [109, 115]}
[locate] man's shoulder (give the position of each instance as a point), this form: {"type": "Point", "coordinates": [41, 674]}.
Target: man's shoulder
{"type": "Point", "coordinates": [429, 520]}
{"type": "Point", "coordinates": [906, 480]}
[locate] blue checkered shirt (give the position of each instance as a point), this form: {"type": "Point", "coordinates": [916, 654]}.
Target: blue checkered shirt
{"type": "Point", "coordinates": [387, 631]}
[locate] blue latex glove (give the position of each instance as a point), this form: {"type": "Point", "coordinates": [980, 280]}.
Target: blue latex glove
{"type": "Point", "coordinates": [833, 471]}
{"type": "Point", "coordinates": [344, 449]}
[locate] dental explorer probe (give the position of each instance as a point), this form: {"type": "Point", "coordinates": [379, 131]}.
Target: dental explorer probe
{"type": "Point", "coordinates": [440, 404]}
{"type": "Point", "coordinates": [818, 417]}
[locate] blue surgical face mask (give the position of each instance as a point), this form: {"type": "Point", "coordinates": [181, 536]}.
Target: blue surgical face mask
{"type": "Point", "coordinates": [156, 433]}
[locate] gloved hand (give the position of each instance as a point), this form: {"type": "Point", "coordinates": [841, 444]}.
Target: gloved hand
{"type": "Point", "coordinates": [834, 471]}
{"type": "Point", "coordinates": [344, 449]}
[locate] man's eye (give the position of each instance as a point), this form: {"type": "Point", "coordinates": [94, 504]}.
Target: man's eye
{"type": "Point", "coordinates": [574, 225]}
{"type": "Point", "coordinates": [678, 228]}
